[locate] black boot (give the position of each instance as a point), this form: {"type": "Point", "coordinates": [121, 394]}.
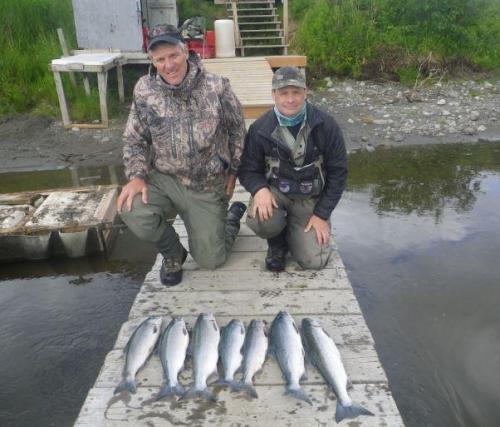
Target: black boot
{"type": "Point", "coordinates": [171, 269]}
{"type": "Point", "coordinates": [235, 213]}
{"type": "Point", "coordinates": [276, 253]}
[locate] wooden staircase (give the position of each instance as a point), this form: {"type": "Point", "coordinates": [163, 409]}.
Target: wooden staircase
{"type": "Point", "coordinates": [258, 29]}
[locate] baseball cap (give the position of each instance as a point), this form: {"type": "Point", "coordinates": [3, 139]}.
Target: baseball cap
{"type": "Point", "coordinates": [288, 76]}
{"type": "Point", "coordinates": [164, 33]}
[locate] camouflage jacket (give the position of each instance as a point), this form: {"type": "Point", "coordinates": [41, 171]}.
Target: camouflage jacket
{"type": "Point", "coordinates": [194, 131]}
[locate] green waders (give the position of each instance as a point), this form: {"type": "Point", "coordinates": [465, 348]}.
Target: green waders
{"type": "Point", "coordinates": [293, 215]}
{"type": "Point", "coordinates": [204, 215]}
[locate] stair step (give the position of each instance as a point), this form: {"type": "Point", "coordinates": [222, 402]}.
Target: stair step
{"type": "Point", "coordinates": [263, 46]}
{"type": "Point", "coordinates": [260, 23]}
{"type": "Point", "coordinates": [270, 30]}
{"type": "Point", "coordinates": [254, 2]}
{"type": "Point", "coordinates": [261, 38]}
{"type": "Point", "coordinates": [256, 16]}
{"type": "Point", "coordinates": [256, 9]}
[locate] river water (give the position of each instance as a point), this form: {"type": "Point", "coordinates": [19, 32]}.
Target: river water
{"type": "Point", "coordinates": [418, 229]}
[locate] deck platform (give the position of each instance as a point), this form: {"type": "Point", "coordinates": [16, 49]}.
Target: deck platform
{"type": "Point", "coordinates": [243, 289]}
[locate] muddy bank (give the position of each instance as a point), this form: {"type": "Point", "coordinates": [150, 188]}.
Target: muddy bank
{"type": "Point", "coordinates": [370, 114]}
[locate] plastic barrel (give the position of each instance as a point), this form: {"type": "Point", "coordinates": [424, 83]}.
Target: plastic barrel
{"type": "Point", "coordinates": [224, 39]}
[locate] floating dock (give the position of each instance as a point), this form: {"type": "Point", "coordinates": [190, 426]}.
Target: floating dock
{"type": "Point", "coordinates": [243, 289]}
{"type": "Point", "coordinates": [72, 222]}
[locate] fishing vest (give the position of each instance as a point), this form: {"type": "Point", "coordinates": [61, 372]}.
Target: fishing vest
{"type": "Point", "coordinates": [290, 175]}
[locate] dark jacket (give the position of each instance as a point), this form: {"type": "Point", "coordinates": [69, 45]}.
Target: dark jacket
{"type": "Point", "coordinates": [325, 138]}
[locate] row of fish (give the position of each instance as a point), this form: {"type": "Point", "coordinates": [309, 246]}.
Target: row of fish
{"type": "Point", "coordinates": [239, 350]}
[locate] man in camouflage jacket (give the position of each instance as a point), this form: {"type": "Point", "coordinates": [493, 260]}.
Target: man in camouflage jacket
{"type": "Point", "coordinates": [183, 142]}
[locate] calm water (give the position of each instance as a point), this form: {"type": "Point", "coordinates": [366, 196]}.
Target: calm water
{"type": "Point", "coordinates": [419, 231]}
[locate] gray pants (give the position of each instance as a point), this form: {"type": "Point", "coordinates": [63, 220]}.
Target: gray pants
{"type": "Point", "coordinates": [294, 215]}
{"type": "Point", "coordinates": [204, 215]}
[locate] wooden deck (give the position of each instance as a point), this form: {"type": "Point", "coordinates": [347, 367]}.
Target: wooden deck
{"type": "Point", "coordinates": [243, 289]}
{"type": "Point", "coordinates": [250, 80]}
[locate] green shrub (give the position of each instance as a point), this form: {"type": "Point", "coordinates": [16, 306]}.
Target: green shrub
{"type": "Point", "coordinates": [396, 38]}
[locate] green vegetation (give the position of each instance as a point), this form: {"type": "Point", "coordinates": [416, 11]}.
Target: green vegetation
{"type": "Point", "coordinates": [397, 39]}
{"type": "Point", "coordinates": [28, 42]}
{"type": "Point", "coordinates": [206, 8]}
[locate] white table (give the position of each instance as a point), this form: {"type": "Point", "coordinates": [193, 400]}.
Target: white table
{"type": "Point", "coordinates": [99, 63]}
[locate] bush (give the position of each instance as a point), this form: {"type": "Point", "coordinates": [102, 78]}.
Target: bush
{"type": "Point", "coordinates": [28, 43]}
{"type": "Point", "coordinates": [396, 38]}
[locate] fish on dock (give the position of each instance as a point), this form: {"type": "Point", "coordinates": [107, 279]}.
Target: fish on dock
{"type": "Point", "coordinates": [204, 351]}
{"type": "Point", "coordinates": [324, 355]}
{"type": "Point", "coordinates": [230, 346]}
{"type": "Point", "coordinates": [137, 351]}
{"type": "Point", "coordinates": [285, 345]}
{"type": "Point", "coordinates": [172, 350]}
{"type": "Point", "coordinates": [254, 355]}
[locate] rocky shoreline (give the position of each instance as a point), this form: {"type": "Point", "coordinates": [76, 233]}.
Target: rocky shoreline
{"type": "Point", "coordinates": [373, 114]}
{"type": "Point", "coordinates": [370, 114]}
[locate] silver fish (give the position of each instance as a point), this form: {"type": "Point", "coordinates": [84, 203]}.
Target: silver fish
{"type": "Point", "coordinates": [254, 354]}
{"type": "Point", "coordinates": [324, 355]}
{"type": "Point", "coordinates": [204, 350]}
{"type": "Point", "coordinates": [172, 349]}
{"type": "Point", "coordinates": [286, 347]}
{"type": "Point", "coordinates": [139, 347]}
{"type": "Point", "coordinates": [232, 339]}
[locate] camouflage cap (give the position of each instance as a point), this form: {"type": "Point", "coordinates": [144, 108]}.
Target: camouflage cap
{"type": "Point", "coordinates": [164, 33]}
{"type": "Point", "coordinates": [288, 76]}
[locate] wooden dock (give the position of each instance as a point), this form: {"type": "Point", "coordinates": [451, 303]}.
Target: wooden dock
{"type": "Point", "coordinates": [243, 289]}
{"type": "Point", "coordinates": [71, 222]}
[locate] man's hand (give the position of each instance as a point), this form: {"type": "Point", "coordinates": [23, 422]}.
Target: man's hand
{"type": "Point", "coordinates": [230, 184]}
{"type": "Point", "coordinates": [321, 227]}
{"type": "Point", "coordinates": [134, 187]}
{"type": "Point", "coordinates": [264, 202]}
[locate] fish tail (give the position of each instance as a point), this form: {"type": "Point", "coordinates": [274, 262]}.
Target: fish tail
{"type": "Point", "coordinates": [232, 384]}
{"type": "Point", "coordinates": [298, 393]}
{"type": "Point", "coordinates": [126, 384]}
{"type": "Point", "coordinates": [352, 411]}
{"type": "Point", "coordinates": [247, 388]}
{"type": "Point", "coordinates": [196, 392]}
{"type": "Point", "coordinates": [167, 390]}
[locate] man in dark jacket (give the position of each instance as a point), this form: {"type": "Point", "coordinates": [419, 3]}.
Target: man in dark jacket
{"type": "Point", "coordinates": [294, 165]}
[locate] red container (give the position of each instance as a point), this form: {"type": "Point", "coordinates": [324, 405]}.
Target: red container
{"type": "Point", "coordinates": [210, 38]}
{"type": "Point", "coordinates": [197, 46]}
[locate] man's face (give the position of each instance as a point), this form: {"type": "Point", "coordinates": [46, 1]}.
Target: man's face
{"type": "Point", "coordinates": [171, 62]}
{"type": "Point", "coordinates": [289, 100]}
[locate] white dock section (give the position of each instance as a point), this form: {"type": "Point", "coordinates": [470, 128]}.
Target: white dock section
{"type": "Point", "coordinates": [243, 289]}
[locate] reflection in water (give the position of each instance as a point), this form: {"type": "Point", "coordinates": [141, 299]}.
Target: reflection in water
{"type": "Point", "coordinates": [418, 229]}
{"type": "Point", "coordinates": [423, 180]}
{"type": "Point", "coordinates": [425, 269]}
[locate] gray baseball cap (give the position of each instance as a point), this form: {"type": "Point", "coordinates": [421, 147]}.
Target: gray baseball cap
{"type": "Point", "coordinates": [288, 76]}
{"type": "Point", "coordinates": [164, 33]}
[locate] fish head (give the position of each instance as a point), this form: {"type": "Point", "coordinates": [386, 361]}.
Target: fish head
{"type": "Point", "coordinates": [209, 318]}
{"type": "Point", "coordinates": [308, 323]}
{"type": "Point", "coordinates": [155, 323]}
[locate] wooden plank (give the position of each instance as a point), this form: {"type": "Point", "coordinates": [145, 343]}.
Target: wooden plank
{"type": "Point", "coordinates": [271, 409]}
{"type": "Point", "coordinates": [287, 61]}
{"type": "Point", "coordinates": [263, 281]}
{"type": "Point", "coordinates": [250, 303]}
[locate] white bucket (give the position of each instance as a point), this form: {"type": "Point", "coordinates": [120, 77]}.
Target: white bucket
{"type": "Point", "coordinates": [224, 38]}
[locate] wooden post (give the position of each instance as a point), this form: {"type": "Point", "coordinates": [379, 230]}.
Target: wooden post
{"type": "Point", "coordinates": [237, 37]}
{"type": "Point", "coordinates": [285, 20]}
{"type": "Point", "coordinates": [62, 99]}
{"type": "Point", "coordinates": [119, 78]}
{"type": "Point", "coordinates": [102, 85]}
{"type": "Point", "coordinates": [64, 47]}
{"type": "Point", "coordinates": [86, 84]}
